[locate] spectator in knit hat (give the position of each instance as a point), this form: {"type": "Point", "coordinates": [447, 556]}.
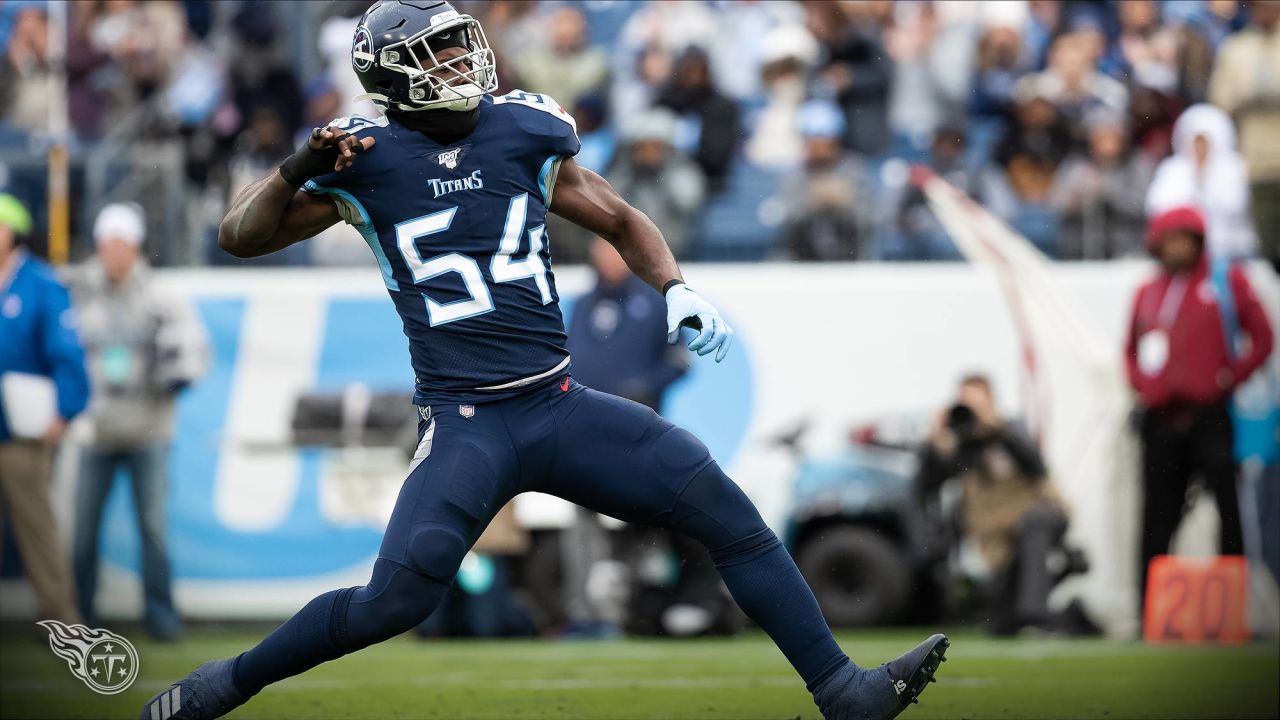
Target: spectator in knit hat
{"type": "Point", "coordinates": [143, 347]}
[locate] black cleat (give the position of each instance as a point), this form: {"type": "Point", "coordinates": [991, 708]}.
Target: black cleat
{"type": "Point", "coordinates": [913, 671]}
{"type": "Point", "coordinates": [881, 694]}
{"type": "Point", "coordinates": [208, 692]}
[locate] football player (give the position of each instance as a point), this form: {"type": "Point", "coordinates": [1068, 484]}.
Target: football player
{"type": "Point", "coordinates": [450, 188]}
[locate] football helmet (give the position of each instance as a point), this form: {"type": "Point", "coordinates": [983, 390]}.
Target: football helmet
{"type": "Point", "coordinates": [397, 54]}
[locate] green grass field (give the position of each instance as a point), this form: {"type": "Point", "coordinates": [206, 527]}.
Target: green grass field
{"type": "Point", "coordinates": [739, 678]}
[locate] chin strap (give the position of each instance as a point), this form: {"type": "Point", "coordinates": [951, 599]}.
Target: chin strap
{"type": "Point", "coordinates": [386, 102]}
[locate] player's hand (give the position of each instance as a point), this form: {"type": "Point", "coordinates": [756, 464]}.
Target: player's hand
{"type": "Point", "coordinates": [686, 307]}
{"type": "Point", "coordinates": [327, 150]}
{"type": "Point", "coordinates": [347, 145]}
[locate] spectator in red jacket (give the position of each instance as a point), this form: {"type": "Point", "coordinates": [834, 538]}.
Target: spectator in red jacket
{"type": "Point", "coordinates": [1179, 364]}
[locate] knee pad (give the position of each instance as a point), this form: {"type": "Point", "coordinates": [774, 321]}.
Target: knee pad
{"type": "Point", "coordinates": [437, 552]}
{"type": "Point", "coordinates": [713, 510]}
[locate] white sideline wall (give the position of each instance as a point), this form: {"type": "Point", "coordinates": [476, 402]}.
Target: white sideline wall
{"type": "Point", "coordinates": [836, 344]}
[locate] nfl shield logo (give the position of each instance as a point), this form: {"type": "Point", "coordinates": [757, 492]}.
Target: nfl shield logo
{"type": "Point", "coordinates": [467, 411]}
{"type": "Point", "coordinates": [449, 158]}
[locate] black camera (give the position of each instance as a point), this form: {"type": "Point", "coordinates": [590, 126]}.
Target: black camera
{"type": "Point", "coordinates": [963, 421]}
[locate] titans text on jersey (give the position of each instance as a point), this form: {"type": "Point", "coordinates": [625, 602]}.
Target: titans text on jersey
{"type": "Point", "coordinates": [460, 235]}
{"type": "Point", "coordinates": [444, 187]}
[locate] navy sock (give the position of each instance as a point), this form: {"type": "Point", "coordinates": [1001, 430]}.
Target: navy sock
{"type": "Point", "coordinates": [301, 643]}
{"type": "Point", "coordinates": [759, 572]}
{"type": "Point", "coordinates": [766, 584]}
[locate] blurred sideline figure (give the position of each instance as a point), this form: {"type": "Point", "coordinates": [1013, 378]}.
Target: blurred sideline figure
{"type": "Point", "coordinates": [143, 347]}
{"type": "Point", "coordinates": [1178, 362]}
{"type": "Point", "coordinates": [43, 386]}
{"type": "Point", "coordinates": [618, 334]}
{"type": "Point", "coordinates": [1009, 507]}
{"type": "Point", "coordinates": [618, 338]}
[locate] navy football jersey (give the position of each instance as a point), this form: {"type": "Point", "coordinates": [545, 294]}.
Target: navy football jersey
{"type": "Point", "coordinates": [459, 232]}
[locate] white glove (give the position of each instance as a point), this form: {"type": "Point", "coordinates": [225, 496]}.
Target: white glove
{"type": "Point", "coordinates": [684, 306]}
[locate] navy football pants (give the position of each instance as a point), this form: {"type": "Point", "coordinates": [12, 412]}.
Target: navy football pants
{"type": "Point", "coordinates": [605, 453]}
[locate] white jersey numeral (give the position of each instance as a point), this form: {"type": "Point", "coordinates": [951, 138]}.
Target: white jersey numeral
{"type": "Point", "coordinates": [502, 267]}
{"type": "Point", "coordinates": [538, 102]}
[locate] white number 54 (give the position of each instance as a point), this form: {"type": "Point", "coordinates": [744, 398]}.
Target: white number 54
{"type": "Point", "coordinates": [501, 267]}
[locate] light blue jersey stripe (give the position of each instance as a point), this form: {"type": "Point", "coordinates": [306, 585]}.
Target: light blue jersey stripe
{"type": "Point", "coordinates": [366, 230]}
{"type": "Point", "coordinates": [543, 176]}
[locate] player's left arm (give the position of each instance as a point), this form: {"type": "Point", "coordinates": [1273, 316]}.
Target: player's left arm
{"type": "Point", "coordinates": [584, 198]}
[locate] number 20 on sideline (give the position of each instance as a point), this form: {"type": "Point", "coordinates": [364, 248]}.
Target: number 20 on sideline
{"type": "Point", "coordinates": [1197, 600]}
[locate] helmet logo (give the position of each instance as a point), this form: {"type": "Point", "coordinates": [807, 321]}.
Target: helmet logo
{"type": "Point", "coordinates": [445, 16]}
{"type": "Point", "coordinates": [362, 50]}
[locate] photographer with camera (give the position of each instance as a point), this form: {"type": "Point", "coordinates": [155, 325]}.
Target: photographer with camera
{"type": "Point", "coordinates": [1008, 508]}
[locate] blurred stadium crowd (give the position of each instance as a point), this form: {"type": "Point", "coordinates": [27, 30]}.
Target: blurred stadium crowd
{"type": "Point", "coordinates": [747, 130]}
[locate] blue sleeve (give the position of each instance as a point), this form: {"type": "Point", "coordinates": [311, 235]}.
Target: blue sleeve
{"type": "Point", "coordinates": [62, 351]}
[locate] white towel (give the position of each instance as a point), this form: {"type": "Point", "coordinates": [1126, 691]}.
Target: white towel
{"type": "Point", "coordinates": [29, 404]}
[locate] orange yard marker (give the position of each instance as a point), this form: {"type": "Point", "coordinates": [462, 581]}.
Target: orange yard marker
{"type": "Point", "coordinates": [1197, 600]}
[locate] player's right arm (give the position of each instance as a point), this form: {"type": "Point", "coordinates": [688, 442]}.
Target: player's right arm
{"type": "Point", "coordinates": [272, 214]}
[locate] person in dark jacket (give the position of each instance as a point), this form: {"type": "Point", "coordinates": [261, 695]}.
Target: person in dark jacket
{"type": "Point", "coordinates": [1177, 360]}
{"type": "Point", "coordinates": [41, 364]}
{"type": "Point", "coordinates": [856, 71]}
{"type": "Point", "coordinates": [618, 334]}
{"type": "Point", "coordinates": [711, 117]}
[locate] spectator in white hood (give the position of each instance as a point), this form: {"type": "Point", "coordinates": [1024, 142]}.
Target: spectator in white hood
{"type": "Point", "coordinates": [1205, 171]}
{"type": "Point", "coordinates": [787, 54]}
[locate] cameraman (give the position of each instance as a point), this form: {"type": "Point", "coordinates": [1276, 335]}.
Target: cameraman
{"type": "Point", "coordinates": [1008, 506]}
